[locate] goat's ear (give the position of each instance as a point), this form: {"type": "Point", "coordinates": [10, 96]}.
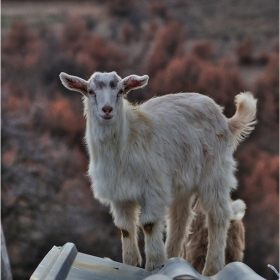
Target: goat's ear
{"type": "Point", "coordinates": [133, 82]}
{"type": "Point", "coordinates": [74, 83]}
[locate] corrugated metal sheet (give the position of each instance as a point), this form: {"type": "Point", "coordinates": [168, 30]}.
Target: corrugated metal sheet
{"type": "Point", "coordinates": [66, 263]}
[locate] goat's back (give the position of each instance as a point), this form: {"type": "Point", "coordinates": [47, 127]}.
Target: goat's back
{"type": "Point", "coordinates": [189, 109]}
{"type": "Point", "coordinates": [192, 132]}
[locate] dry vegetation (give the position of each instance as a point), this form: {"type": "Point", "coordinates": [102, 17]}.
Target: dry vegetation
{"type": "Point", "coordinates": [46, 198]}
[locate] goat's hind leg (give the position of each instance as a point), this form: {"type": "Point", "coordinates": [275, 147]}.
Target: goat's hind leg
{"type": "Point", "coordinates": [179, 218]}
{"type": "Point", "coordinates": [126, 217]}
{"type": "Point", "coordinates": [218, 220]}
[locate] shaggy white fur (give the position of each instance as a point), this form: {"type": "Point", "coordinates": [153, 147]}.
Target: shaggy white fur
{"type": "Point", "coordinates": [148, 161]}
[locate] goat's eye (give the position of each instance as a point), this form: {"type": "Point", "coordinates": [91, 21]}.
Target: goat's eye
{"type": "Point", "coordinates": [120, 92]}
{"type": "Point", "coordinates": [90, 91]}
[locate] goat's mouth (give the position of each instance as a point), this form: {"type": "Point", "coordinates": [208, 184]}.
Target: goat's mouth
{"type": "Point", "coordinates": [106, 117]}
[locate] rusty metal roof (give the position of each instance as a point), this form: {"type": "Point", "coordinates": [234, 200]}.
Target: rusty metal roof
{"type": "Point", "coordinates": [66, 263]}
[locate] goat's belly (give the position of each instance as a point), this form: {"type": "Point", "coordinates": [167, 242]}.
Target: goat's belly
{"type": "Point", "coordinates": [115, 192]}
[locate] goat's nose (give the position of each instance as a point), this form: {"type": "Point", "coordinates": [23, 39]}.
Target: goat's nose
{"type": "Point", "coordinates": [107, 109]}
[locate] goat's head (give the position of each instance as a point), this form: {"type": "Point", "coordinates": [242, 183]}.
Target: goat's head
{"type": "Point", "coordinates": [105, 91]}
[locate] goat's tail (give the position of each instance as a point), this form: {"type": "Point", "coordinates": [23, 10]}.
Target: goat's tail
{"type": "Point", "coordinates": [238, 209]}
{"type": "Point", "coordinates": [244, 119]}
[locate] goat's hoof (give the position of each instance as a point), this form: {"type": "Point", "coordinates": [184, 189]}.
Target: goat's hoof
{"type": "Point", "coordinates": [133, 259]}
{"type": "Point", "coordinates": [210, 271]}
{"type": "Point", "coordinates": [151, 264]}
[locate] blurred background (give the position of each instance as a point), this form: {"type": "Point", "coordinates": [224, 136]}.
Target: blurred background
{"type": "Point", "coordinates": [217, 48]}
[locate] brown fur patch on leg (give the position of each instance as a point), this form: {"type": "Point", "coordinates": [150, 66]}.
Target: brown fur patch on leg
{"type": "Point", "coordinates": [125, 233]}
{"type": "Point", "coordinates": [148, 228]}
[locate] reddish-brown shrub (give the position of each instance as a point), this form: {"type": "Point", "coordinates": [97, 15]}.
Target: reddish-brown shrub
{"type": "Point", "coordinates": [9, 156]}
{"type": "Point", "coordinates": [17, 104]}
{"type": "Point", "coordinates": [222, 84]}
{"type": "Point", "coordinates": [203, 50]}
{"type": "Point", "coordinates": [106, 55]}
{"type": "Point", "coordinates": [267, 92]}
{"type": "Point", "coordinates": [18, 38]}
{"type": "Point", "coordinates": [120, 7]}
{"type": "Point", "coordinates": [180, 75]}
{"type": "Point", "coordinates": [261, 194]}
{"type": "Point", "coordinates": [190, 74]}
{"type": "Point", "coordinates": [84, 61]}
{"type": "Point", "coordinates": [13, 103]}
{"type": "Point", "coordinates": [61, 119]}
{"type": "Point", "coordinates": [20, 51]}
{"type": "Point", "coordinates": [244, 51]}
{"type": "Point", "coordinates": [262, 58]}
{"type": "Point", "coordinates": [211, 82]}
{"type": "Point", "coordinates": [150, 30]}
{"type": "Point", "coordinates": [228, 63]}
{"type": "Point", "coordinates": [74, 35]}
{"type": "Point", "coordinates": [128, 34]}
{"type": "Point", "coordinates": [159, 9]}
{"type": "Point", "coordinates": [271, 74]}
{"type": "Point", "coordinates": [276, 46]}
{"type": "Point", "coordinates": [62, 63]}
{"type": "Point", "coordinates": [168, 44]}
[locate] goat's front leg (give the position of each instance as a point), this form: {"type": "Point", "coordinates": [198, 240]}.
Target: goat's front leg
{"type": "Point", "coordinates": [126, 217]}
{"type": "Point", "coordinates": [152, 222]}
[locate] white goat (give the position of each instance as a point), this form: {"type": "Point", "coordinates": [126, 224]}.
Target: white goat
{"type": "Point", "coordinates": [148, 161]}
